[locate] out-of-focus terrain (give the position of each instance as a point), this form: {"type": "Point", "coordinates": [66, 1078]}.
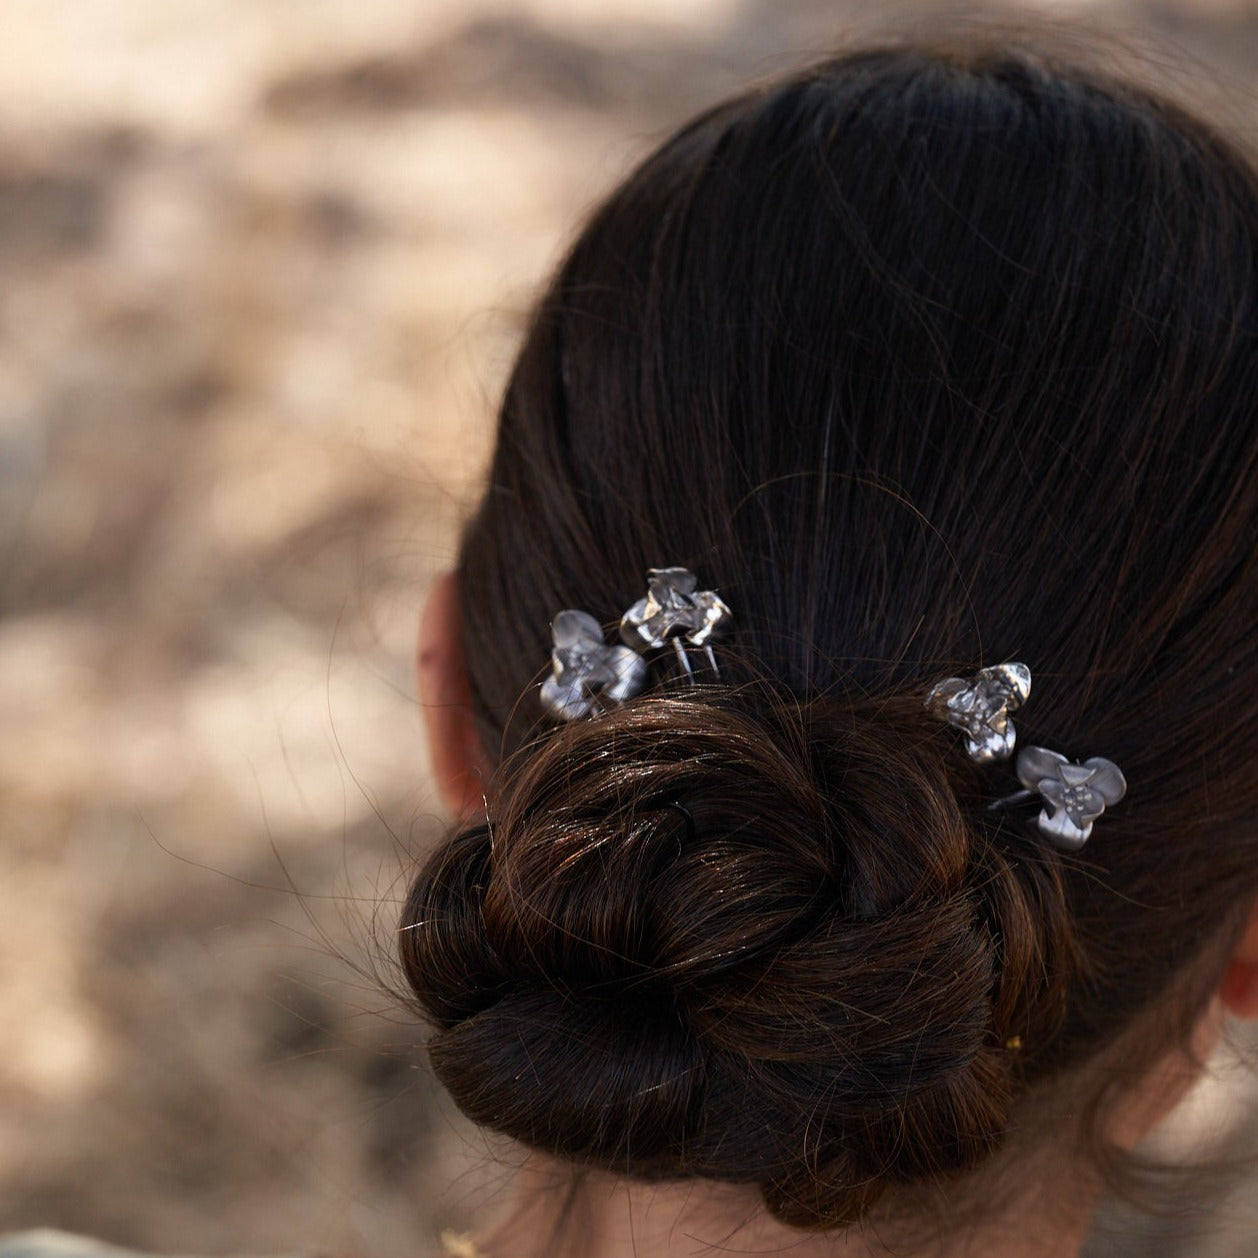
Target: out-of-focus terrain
{"type": "Point", "coordinates": [262, 263]}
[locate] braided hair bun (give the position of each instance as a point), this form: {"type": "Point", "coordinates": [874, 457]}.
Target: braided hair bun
{"type": "Point", "coordinates": [753, 942]}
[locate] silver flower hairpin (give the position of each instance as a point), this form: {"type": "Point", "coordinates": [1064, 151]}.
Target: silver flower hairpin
{"type": "Point", "coordinates": [674, 611]}
{"type": "Point", "coordinates": [585, 670]}
{"type": "Point", "coordinates": [588, 673]}
{"type": "Point", "coordinates": [1074, 795]}
{"type": "Point", "coordinates": [980, 708]}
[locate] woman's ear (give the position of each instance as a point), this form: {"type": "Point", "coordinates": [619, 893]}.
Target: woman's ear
{"type": "Point", "coordinates": [1239, 989]}
{"type": "Point", "coordinates": [459, 764]}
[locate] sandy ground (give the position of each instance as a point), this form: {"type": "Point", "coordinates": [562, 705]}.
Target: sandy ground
{"type": "Point", "coordinates": [263, 263]}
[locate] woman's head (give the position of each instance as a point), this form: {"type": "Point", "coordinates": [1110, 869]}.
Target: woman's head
{"type": "Point", "coordinates": [926, 360]}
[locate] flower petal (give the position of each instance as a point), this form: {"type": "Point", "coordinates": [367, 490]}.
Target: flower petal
{"type": "Point", "coordinates": [1037, 764]}
{"type": "Point", "coordinates": [1061, 831]}
{"type": "Point", "coordinates": [1107, 779]}
{"type": "Point", "coordinates": [572, 627]}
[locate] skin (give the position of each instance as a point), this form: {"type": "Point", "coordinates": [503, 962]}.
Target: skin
{"type": "Point", "coordinates": [1047, 1217]}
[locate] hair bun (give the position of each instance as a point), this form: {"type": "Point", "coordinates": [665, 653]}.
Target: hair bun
{"type": "Point", "coordinates": [731, 936]}
{"type": "Point", "coordinates": [569, 1074]}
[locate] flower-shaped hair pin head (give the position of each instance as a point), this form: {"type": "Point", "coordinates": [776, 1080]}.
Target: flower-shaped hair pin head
{"type": "Point", "coordinates": [1074, 795]}
{"type": "Point", "coordinates": [676, 610]}
{"type": "Point", "coordinates": [585, 670]}
{"type": "Point", "coordinates": [980, 708]}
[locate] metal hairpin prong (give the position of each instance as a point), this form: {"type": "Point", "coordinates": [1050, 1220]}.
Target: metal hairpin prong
{"type": "Point", "coordinates": [1074, 795]}
{"type": "Point", "coordinates": [586, 672]}
{"type": "Point", "coordinates": [676, 611]}
{"type": "Point", "coordinates": [682, 658]}
{"type": "Point", "coordinates": [980, 708]}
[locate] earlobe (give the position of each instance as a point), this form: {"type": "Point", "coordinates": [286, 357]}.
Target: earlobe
{"type": "Point", "coordinates": [1239, 988]}
{"type": "Point", "coordinates": [459, 765]}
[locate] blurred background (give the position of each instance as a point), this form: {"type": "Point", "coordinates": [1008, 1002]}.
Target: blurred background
{"type": "Point", "coordinates": [262, 266]}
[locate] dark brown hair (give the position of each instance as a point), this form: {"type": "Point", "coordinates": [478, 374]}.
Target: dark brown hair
{"type": "Point", "coordinates": [926, 360]}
